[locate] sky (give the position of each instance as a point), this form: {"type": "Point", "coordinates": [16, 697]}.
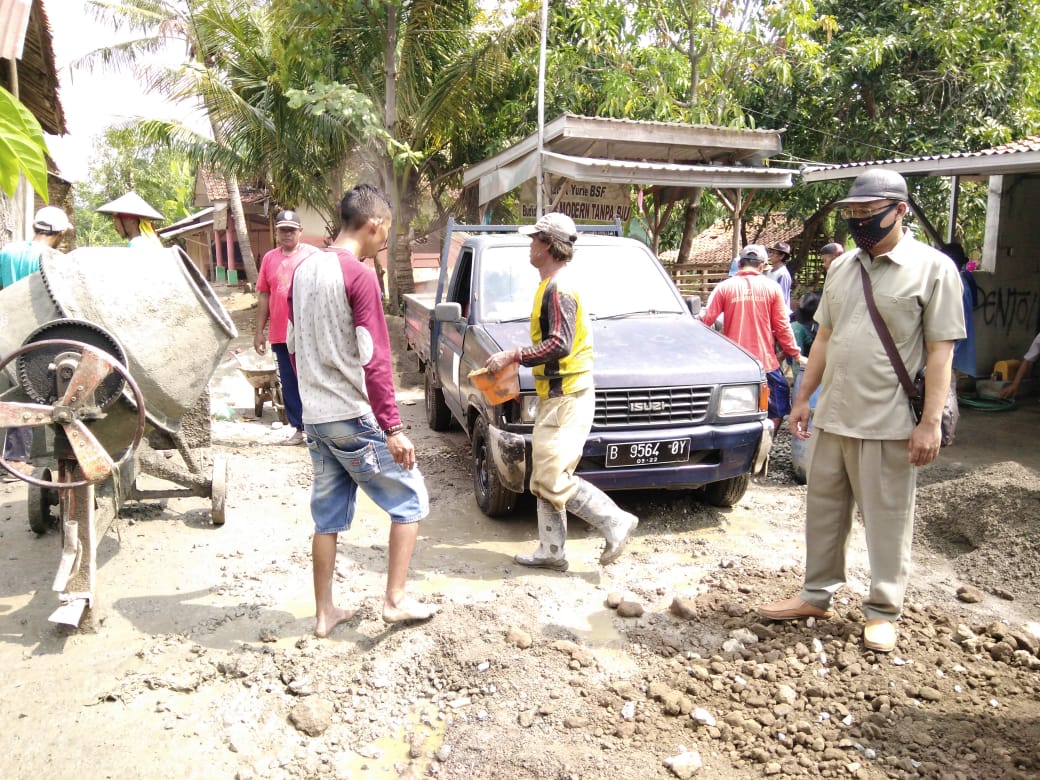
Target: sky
{"type": "Point", "coordinates": [93, 100]}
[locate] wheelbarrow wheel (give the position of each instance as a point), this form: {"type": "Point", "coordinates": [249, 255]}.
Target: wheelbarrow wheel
{"type": "Point", "coordinates": [258, 402]}
{"type": "Point", "coordinates": [218, 491]}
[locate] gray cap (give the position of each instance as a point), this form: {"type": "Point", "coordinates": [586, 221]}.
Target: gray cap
{"type": "Point", "coordinates": [878, 184]}
{"type": "Point", "coordinates": [559, 226]}
{"type": "Point", "coordinates": [755, 254]}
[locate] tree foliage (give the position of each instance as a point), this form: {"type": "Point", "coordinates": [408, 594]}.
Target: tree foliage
{"type": "Point", "coordinates": [22, 148]}
{"type": "Point", "coordinates": [410, 80]}
{"type": "Point", "coordinates": [306, 94]}
{"type": "Point", "coordinates": [126, 161]}
{"type": "Point", "coordinates": [900, 79]}
{"type": "Point", "coordinates": [199, 82]}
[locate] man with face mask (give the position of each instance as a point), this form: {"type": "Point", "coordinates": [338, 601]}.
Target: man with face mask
{"type": "Point", "coordinates": [867, 446]}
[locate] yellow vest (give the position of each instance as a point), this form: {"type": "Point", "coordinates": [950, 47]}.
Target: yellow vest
{"type": "Point", "coordinates": [573, 372]}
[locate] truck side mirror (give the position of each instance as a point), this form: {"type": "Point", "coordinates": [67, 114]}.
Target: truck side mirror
{"type": "Point", "coordinates": [447, 312]}
{"type": "Point", "coordinates": [693, 303]}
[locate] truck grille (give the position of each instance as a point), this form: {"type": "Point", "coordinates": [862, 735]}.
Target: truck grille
{"type": "Point", "coordinates": [651, 406]}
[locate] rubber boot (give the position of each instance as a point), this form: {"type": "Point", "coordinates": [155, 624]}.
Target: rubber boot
{"type": "Point", "coordinates": [594, 507]}
{"type": "Point", "coordinates": [552, 533]}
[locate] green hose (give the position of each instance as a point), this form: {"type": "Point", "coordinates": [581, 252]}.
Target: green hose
{"type": "Point", "coordinates": [986, 404]}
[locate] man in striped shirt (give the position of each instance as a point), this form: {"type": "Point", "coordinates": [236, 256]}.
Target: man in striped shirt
{"type": "Point", "coordinates": [561, 360]}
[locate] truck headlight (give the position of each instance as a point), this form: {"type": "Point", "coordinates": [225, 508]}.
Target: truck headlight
{"type": "Point", "coordinates": [528, 408]}
{"type": "Point", "coordinates": [738, 399]}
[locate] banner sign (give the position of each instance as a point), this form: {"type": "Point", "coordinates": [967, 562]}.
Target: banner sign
{"type": "Point", "coordinates": [583, 201]}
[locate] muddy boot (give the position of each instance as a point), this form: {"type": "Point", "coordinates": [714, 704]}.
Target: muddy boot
{"type": "Point", "coordinates": [552, 532]}
{"type": "Point", "coordinates": [594, 507]}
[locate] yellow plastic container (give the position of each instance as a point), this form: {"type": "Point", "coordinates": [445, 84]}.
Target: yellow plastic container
{"type": "Point", "coordinates": [1005, 370]}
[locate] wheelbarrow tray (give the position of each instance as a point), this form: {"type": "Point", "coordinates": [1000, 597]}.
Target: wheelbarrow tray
{"type": "Point", "coordinates": [260, 377]}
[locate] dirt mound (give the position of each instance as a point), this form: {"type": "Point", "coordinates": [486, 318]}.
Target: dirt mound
{"type": "Point", "coordinates": [985, 523]}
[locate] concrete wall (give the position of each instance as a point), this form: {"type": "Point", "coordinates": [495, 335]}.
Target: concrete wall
{"type": "Point", "coordinates": [314, 231]}
{"type": "Point", "coordinates": [1008, 313]}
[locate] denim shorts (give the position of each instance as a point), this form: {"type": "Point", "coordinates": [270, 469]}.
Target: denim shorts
{"type": "Point", "coordinates": [348, 454]}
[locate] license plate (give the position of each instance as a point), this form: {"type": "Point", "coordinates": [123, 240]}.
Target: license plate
{"type": "Point", "coordinates": [647, 453]}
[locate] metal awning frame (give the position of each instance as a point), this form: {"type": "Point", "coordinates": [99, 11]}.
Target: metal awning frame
{"type": "Point", "coordinates": [947, 165]}
{"type": "Point", "coordinates": [685, 156]}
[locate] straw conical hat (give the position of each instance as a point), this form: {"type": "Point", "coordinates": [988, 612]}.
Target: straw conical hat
{"type": "Point", "coordinates": [132, 204]}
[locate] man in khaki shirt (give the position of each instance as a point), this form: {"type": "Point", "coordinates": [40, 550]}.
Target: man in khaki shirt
{"type": "Point", "coordinates": [867, 446]}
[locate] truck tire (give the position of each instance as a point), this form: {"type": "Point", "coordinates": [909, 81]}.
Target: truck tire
{"type": "Point", "coordinates": [493, 498]}
{"type": "Point", "coordinates": [727, 492]}
{"type": "Point", "coordinates": [438, 415]}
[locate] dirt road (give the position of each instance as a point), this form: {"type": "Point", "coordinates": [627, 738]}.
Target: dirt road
{"type": "Point", "coordinates": [204, 664]}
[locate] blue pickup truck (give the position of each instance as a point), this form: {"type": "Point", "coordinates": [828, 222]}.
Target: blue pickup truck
{"type": "Point", "coordinates": [678, 406]}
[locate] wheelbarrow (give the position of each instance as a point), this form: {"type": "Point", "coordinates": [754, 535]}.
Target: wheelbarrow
{"type": "Point", "coordinates": [266, 387]}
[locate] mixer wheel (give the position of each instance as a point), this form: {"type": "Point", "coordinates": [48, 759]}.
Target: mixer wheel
{"type": "Point", "coordinates": [38, 503]}
{"type": "Point", "coordinates": [218, 491]}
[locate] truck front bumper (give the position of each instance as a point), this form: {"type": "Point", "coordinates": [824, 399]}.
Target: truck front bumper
{"type": "Point", "coordinates": [716, 453]}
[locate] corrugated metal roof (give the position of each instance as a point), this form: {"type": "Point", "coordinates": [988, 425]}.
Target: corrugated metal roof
{"type": "Point", "coordinates": [1020, 156]}
{"type": "Point", "coordinates": [629, 151]}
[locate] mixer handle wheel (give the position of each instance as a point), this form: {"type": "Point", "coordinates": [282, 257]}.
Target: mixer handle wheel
{"type": "Point", "coordinates": [93, 366]}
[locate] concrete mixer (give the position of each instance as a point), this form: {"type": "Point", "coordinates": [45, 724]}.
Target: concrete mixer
{"type": "Point", "coordinates": [107, 352]}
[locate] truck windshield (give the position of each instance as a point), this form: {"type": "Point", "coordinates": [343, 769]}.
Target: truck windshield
{"type": "Point", "coordinates": [613, 280]}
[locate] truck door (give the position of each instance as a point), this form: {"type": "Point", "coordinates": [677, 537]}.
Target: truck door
{"type": "Point", "coordinates": [453, 334]}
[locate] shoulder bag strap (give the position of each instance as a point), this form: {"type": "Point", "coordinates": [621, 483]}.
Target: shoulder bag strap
{"type": "Point", "coordinates": [885, 335]}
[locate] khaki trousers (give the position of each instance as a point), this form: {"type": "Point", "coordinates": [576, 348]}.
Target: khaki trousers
{"type": "Point", "coordinates": [561, 427]}
{"type": "Point", "coordinates": [875, 475]}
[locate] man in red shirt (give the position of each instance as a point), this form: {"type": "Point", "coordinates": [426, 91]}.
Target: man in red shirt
{"type": "Point", "coordinates": [276, 273]}
{"type": "Point", "coordinates": [755, 317]}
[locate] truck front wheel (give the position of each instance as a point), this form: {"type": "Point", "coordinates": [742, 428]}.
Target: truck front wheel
{"type": "Point", "coordinates": [438, 415]}
{"type": "Point", "coordinates": [493, 498]}
{"type": "Point", "coordinates": [727, 492]}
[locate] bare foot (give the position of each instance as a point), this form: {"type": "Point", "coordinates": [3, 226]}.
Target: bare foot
{"type": "Point", "coordinates": [408, 610]}
{"type": "Point", "coordinates": [325, 623]}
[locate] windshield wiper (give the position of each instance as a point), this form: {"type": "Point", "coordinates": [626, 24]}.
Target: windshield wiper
{"type": "Point", "coordinates": [622, 315]}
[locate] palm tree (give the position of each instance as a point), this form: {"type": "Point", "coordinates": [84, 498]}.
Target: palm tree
{"type": "Point", "coordinates": [428, 73]}
{"type": "Point", "coordinates": [189, 21]}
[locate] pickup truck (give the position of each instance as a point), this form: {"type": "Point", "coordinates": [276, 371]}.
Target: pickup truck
{"type": "Point", "coordinates": [678, 406]}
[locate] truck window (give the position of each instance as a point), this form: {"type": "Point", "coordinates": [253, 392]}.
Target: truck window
{"type": "Point", "coordinates": [615, 280]}
{"type": "Point", "coordinates": [460, 282]}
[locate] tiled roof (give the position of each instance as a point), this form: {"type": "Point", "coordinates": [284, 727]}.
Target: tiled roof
{"type": "Point", "coordinates": [216, 187]}
{"type": "Point", "coordinates": [714, 246]}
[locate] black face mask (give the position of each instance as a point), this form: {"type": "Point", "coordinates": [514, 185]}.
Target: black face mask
{"type": "Point", "coordinates": [867, 231]}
